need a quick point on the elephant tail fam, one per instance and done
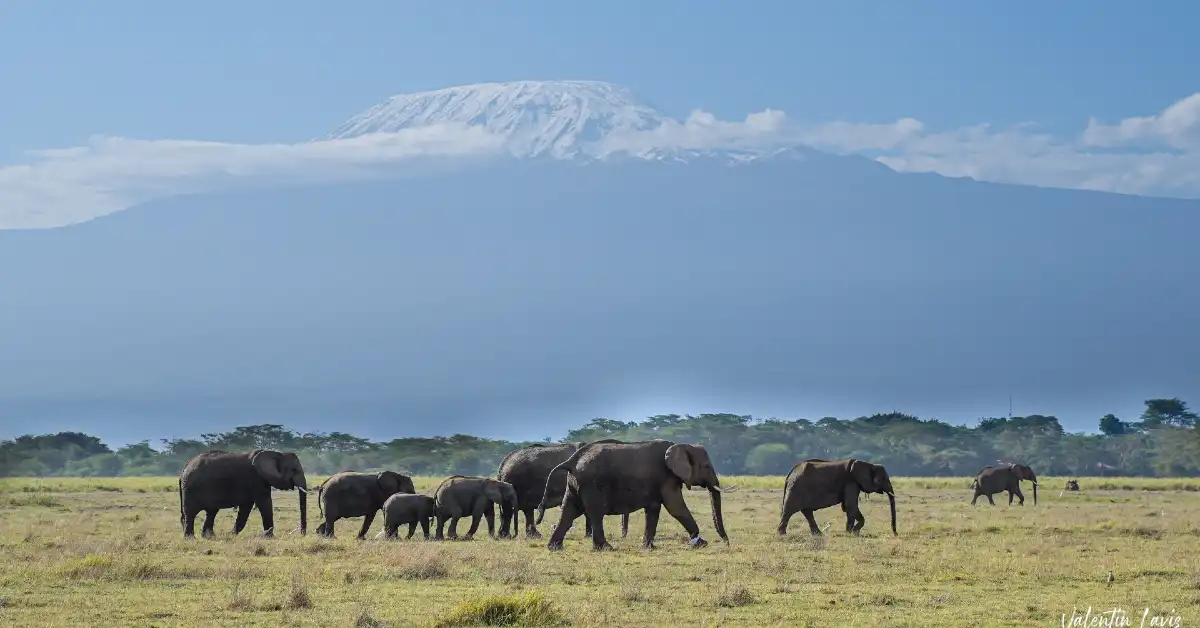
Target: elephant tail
(567, 465)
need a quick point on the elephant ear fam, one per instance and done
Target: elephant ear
(270, 467)
(389, 482)
(679, 461)
(863, 474)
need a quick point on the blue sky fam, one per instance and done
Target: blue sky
(153, 100)
(266, 72)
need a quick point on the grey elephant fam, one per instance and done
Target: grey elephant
(215, 480)
(993, 479)
(402, 508)
(620, 478)
(815, 484)
(527, 469)
(462, 496)
(352, 494)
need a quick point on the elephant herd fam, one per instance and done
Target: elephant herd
(605, 477)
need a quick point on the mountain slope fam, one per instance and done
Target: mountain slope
(503, 300)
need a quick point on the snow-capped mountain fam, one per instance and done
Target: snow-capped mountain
(558, 119)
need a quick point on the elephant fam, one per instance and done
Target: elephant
(993, 479)
(462, 495)
(619, 478)
(352, 494)
(815, 484)
(402, 508)
(527, 469)
(213, 480)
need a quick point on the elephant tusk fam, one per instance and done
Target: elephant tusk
(302, 489)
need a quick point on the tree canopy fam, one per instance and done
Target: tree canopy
(1165, 441)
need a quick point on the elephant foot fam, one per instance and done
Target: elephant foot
(697, 542)
(603, 547)
(649, 545)
(533, 534)
(208, 534)
(266, 534)
(554, 546)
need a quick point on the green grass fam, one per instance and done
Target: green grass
(109, 551)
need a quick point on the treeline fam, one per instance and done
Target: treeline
(1163, 442)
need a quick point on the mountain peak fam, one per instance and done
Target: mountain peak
(538, 118)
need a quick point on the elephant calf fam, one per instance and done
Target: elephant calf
(400, 509)
(815, 484)
(462, 496)
(994, 479)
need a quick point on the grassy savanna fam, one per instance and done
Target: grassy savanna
(109, 551)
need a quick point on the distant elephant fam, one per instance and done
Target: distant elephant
(402, 508)
(991, 480)
(527, 469)
(352, 494)
(214, 480)
(619, 478)
(815, 484)
(461, 496)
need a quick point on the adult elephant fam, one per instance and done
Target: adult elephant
(619, 478)
(815, 484)
(216, 479)
(460, 496)
(993, 479)
(528, 470)
(352, 494)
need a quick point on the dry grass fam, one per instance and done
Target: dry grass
(109, 552)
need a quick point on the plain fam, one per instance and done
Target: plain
(109, 551)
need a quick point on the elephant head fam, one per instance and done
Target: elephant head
(1023, 472)
(391, 483)
(282, 470)
(691, 464)
(504, 494)
(873, 478)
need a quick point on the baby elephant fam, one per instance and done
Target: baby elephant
(411, 509)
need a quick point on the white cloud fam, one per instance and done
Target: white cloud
(1157, 154)
(701, 131)
(66, 186)
(1160, 156)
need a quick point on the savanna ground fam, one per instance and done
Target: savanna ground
(109, 552)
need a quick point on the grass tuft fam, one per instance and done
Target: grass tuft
(528, 608)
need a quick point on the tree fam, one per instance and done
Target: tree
(1172, 411)
(770, 459)
(1111, 425)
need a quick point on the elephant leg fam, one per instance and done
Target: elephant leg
(990, 500)
(784, 517)
(652, 511)
(210, 519)
(624, 525)
(477, 514)
(812, 521)
(390, 531)
(1010, 497)
(975, 497)
(268, 515)
(675, 505)
(531, 530)
(587, 525)
(412, 529)
(490, 515)
(368, 519)
(189, 523)
(243, 515)
(424, 528)
(453, 527)
(572, 507)
(441, 522)
(595, 514)
(1020, 496)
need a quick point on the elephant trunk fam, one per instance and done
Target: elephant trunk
(303, 494)
(718, 518)
(892, 504)
(1035, 492)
